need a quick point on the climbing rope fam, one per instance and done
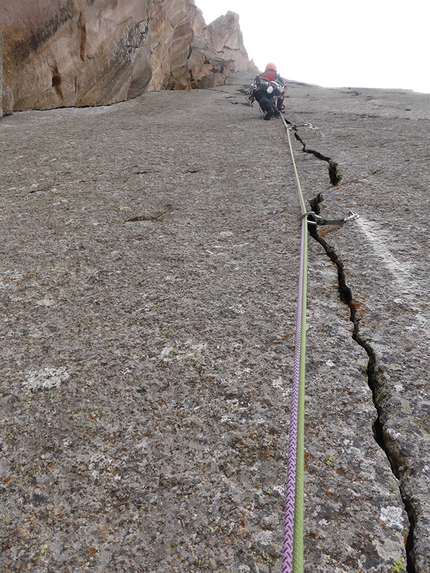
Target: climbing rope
(292, 555)
(293, 550)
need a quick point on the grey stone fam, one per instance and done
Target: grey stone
(67, 53)
(1, 75)
(149, 278)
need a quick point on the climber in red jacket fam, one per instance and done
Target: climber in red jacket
(268, 89)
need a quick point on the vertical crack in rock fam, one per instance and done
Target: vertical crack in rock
(375, 378)
(334, 175)
(82, 27)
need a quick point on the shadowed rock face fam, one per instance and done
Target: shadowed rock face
(67, 53)
(96, 52)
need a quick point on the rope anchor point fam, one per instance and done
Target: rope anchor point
(321, 221)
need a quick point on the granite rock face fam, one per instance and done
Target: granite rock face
(1, 75)
(206, 67)
(149, 291)
(72, 52)
(218, 50)
(96, 52)
(380, 140)
(227, 40)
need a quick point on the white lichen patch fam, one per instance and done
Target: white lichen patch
(195, 350)
(46, 302)
(280, 489)
(279, 383)
(100, 461)
(165, 353)
(46, 378)
(392, 516)
(393, 434)
(264, 537)
(389, 549)
(190, 352)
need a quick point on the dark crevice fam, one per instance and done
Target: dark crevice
(56, 83)
(83, 40)
(156, 216)
(334, 174)
(374, 377)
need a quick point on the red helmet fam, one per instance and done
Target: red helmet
(271, 66)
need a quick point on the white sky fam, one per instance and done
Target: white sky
(336, 43)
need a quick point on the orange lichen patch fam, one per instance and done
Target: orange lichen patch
(326, 231)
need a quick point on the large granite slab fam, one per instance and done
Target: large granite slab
(148, 286)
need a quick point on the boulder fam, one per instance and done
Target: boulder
(60, 53)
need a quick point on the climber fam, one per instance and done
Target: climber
(268, 89)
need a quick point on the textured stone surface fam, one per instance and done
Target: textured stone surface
(149, 288)
(380, 139)
(66, 53)
(218, 50)
(1, 75)
(97, 52)
(227, 40)
(171, 38)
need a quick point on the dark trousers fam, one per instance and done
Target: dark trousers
(266, 104)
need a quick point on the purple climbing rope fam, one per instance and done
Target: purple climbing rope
(292, 554)
(287, 557)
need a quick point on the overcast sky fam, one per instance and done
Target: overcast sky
(337, 43)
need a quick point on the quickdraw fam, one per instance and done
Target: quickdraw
(321, 221)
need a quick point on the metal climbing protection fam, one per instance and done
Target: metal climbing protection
(293, 548)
